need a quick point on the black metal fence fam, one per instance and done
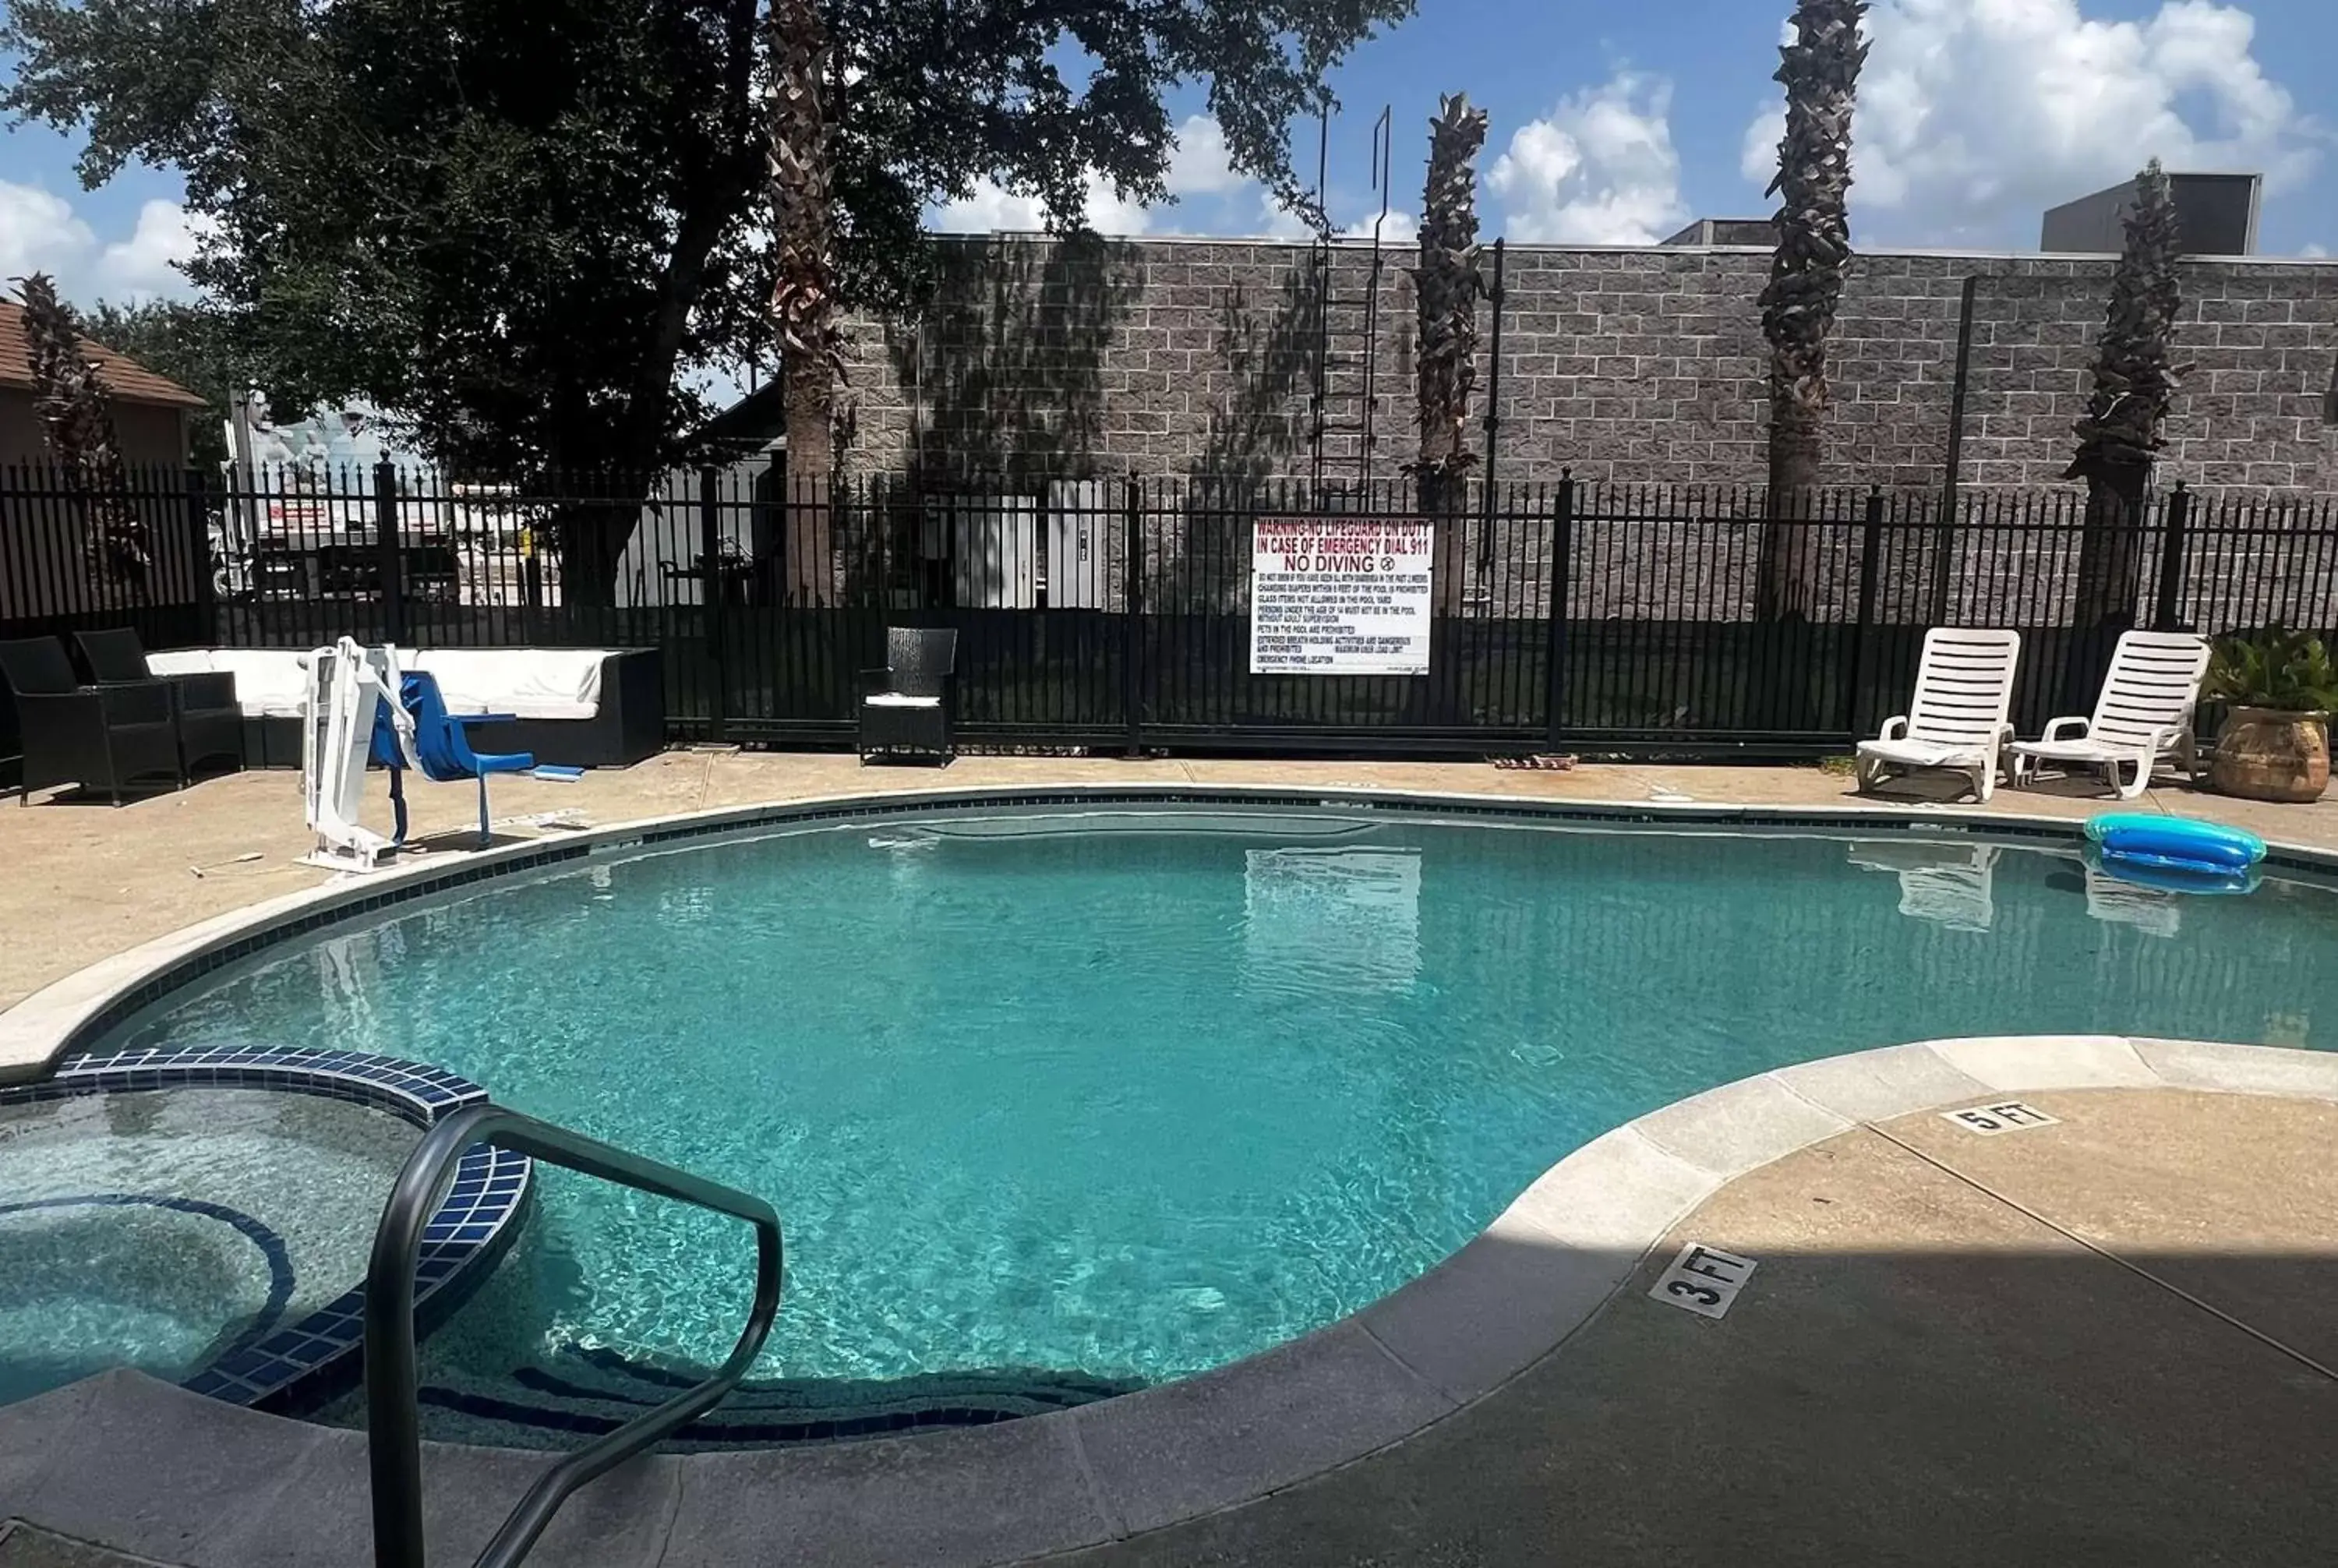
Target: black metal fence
(1116, 614)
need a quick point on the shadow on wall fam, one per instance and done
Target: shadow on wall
(1007, 360)
(1258, 422)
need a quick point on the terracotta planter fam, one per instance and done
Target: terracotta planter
(2266, 754)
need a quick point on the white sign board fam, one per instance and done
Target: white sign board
(1340, 596)
(1703, 1280)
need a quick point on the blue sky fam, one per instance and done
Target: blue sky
(1617, 122)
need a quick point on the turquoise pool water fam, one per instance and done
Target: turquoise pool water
(160, 1229)
(1134, 1103)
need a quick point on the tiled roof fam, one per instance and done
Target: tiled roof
(128, 380)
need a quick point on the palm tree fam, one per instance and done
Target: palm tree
(1445, 287)
(2119, 436)
(803, 297)
(1819, 70)
(76, 408)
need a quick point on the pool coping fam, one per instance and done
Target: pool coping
(1099, 1473)
(294, 1366)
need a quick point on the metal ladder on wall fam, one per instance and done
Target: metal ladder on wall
(393, 1411)
(1343, 406)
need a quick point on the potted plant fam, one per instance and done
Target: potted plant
(2275, 744)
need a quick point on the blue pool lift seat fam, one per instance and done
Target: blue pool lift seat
(438, 747)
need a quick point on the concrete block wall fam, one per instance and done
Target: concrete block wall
(1039, 360)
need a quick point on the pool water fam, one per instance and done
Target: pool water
(158, 1229)
(1130, 1102)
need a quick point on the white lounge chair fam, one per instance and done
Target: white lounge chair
(2144, 709)
(1964, 689)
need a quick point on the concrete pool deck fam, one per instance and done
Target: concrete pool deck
(2105, 1336)
(2107, 1340)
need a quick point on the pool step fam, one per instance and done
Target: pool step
(587, 1392)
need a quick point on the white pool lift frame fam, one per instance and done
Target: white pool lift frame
(348, 686)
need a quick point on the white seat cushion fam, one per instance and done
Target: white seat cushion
(1924, 753)
(269, 682)
(180, 662)
(2080, 750)
(526, 682)
(896, 700)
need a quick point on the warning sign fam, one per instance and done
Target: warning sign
(1340, 596)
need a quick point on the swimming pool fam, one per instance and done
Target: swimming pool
(1123, 1095)
(167, 1229)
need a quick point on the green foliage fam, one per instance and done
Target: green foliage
(516, 226)
(2289, 672)
(191, 345)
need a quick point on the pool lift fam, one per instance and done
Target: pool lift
(345, 684)
(363, 706)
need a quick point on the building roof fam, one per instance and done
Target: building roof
(1762, 232)
(2215, 215)
(125, 378)
(758, 422)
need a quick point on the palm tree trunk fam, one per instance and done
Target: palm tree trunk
(1785, 585)
(2120, 434)
(1820, 71)
(1447, 286)
(803, 297)
(807, 511)
(2110, 554)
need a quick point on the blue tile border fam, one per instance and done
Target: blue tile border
(301, 1365)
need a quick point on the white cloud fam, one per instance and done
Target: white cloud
(1199, 168)
(1111, 214)
(1976, 116)
(993, 208)
(40, 231)
(2313, 252)
(147, 263)
(1600, 170)
(1400, 228)
(1200, 165)
(1282, 222)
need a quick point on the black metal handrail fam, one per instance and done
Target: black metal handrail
(393, 1413)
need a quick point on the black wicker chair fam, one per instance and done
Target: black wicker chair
(203, 704)
(98, 736)
(905, 707)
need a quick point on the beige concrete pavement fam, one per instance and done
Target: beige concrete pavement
(1919, 1370)
(80, 880)
(2250, 1228)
